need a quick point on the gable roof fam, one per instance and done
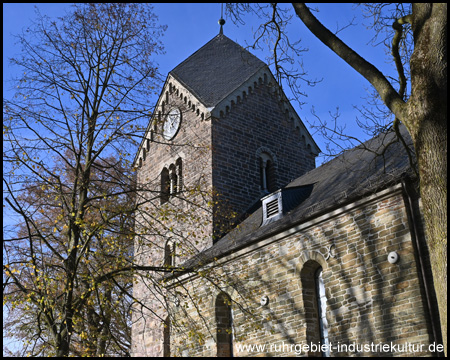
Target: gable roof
(216, 69)
(215, 75)
(356, 173)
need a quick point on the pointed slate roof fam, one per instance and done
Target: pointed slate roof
(216, 69)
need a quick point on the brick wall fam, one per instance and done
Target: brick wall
(220, 156)
(255, 123)
(369, 300)
(182, 220)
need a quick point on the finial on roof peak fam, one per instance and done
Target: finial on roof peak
(221, 23)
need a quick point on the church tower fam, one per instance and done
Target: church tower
(223, 136)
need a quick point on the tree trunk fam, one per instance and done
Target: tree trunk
(431, 144)
(424, 115)
(427, 124)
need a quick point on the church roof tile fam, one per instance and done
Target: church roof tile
(216, 70)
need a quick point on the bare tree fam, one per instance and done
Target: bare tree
(82, 217)
(81, 105)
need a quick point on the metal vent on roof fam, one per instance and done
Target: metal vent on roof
(282, 201)
(272, 207)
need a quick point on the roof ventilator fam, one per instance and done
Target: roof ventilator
(282, 201)
(272, 207)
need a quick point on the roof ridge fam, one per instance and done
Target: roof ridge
(216, 69)
(195, 52)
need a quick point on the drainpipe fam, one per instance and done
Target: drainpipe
(415, 238)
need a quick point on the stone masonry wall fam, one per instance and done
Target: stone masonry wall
(217, 153)
(183, 219)
(255, 123)
(370, 301)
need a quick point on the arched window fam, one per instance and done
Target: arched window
(314, 302)
(165, 186)
(166, 337)
(267, 173)
(179, 170)
(169, 253)
(224, 326)
(322, 307)
(173, 180)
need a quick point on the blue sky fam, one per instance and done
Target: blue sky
(190, 26)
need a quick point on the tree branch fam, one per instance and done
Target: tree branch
(397, 25)
(387, 93)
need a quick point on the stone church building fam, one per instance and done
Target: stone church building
(267, 255)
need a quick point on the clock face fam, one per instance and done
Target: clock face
(172, 123)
